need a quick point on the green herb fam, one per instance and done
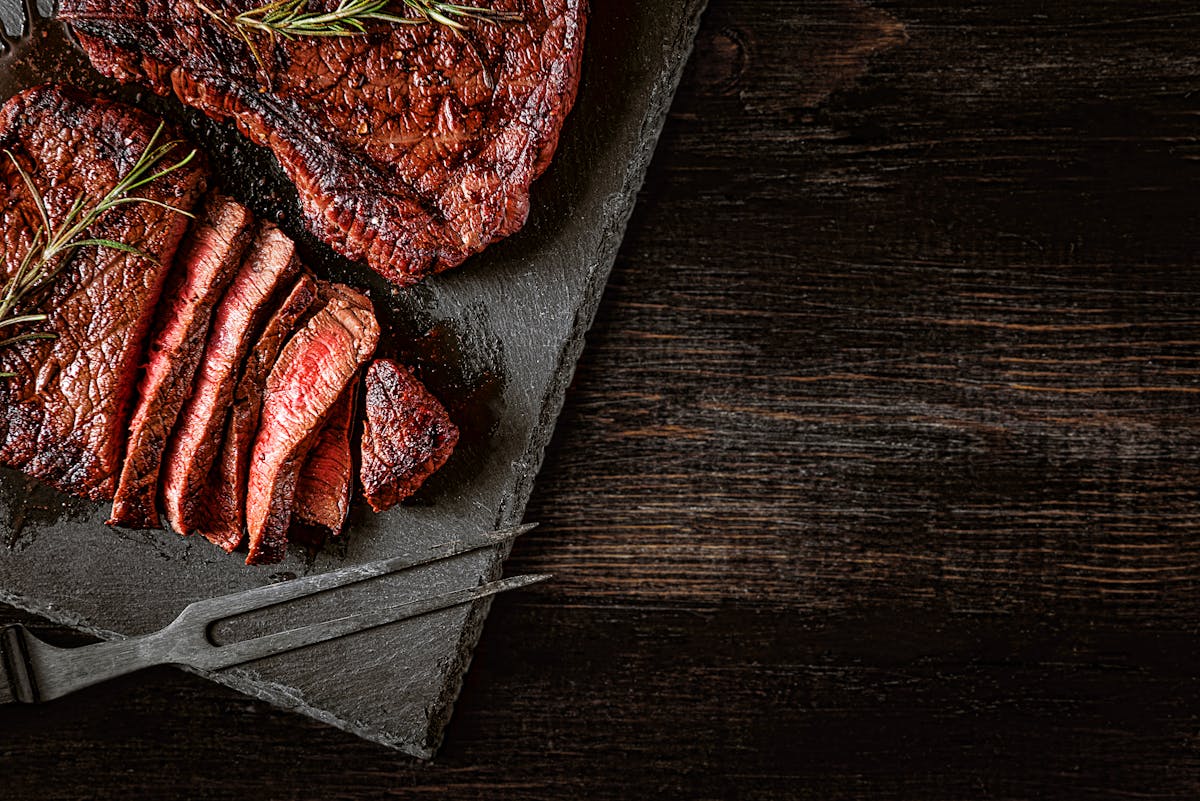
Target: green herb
(291, 19)
(52, 244)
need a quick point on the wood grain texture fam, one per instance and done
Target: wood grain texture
(878, 477)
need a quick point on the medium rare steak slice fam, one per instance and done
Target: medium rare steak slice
(406, 438)
(63, 417)
(313, 371)
(323, 489)
(227, 515)
(207, 262)
(269, 264)
(412, 146)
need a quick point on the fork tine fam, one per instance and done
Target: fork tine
(211, 610)
(271, 644)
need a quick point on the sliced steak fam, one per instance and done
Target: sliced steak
(207, 262)
(406, 438)
(313, 371)
(323, 489)
(412, 147)
(227, 520)
(64, 415)
(269, 264)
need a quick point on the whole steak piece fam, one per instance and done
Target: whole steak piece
(407, 435)
(315, 368)
(64, 416)
(412, 146)
(207, 262)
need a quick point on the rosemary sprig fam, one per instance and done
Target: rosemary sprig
(51, 244)
(290, 19)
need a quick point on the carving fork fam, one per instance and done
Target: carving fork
(33, 671)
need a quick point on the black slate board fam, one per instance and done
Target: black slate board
(497, 339)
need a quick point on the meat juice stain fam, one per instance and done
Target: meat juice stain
(28, 506)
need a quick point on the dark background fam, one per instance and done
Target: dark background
(878, 477)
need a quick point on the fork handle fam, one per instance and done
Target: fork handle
(32, 670)
(16, 672)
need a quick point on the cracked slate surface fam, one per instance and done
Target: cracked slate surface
(498, 339)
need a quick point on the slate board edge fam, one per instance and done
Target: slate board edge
(658, 107)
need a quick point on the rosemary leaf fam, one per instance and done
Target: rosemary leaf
(24, 318)
(115, 245)
(25, 338)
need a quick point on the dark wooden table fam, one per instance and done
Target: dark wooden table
(878, 478)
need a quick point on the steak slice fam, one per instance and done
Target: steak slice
(323, 489)
(313, 371)
(407, 435)
(269, 264)
(207, 262)
(412, 147)
(227, 519)
(64, 415)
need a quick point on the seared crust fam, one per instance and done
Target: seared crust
(412, 147)
(407, 435)
(64, 417)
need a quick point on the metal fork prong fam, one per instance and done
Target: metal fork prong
(270, 644)
(211, 610)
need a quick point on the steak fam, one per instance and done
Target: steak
(227, 518)
(64, 414)
(207, 262)
(406, 438)
(269, 264)
(412, 146)
(323, 489)
(314, 369)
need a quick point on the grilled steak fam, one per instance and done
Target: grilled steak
(269, 264)
(64, 415)
(207, 262)
(227, 515)
(313, 371)
(406, 438)
(323, 489)
(412, 147)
